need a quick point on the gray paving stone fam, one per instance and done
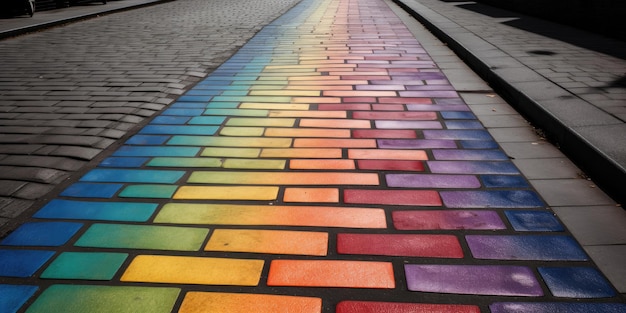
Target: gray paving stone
(82, 153)
(585, 221)
(12, 208)
(32, 174)
(571, 192)
(611, 259)
(59, 163)
(9, 187)
(33, 191)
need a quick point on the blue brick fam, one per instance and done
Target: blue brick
(170, 120)
(144, 140)
(48, 234)
(14, 296)
(89, 190)
(156, 151)
(22, 263)
(123, 162)
(504, 181)
(132, 176)
(179, 130)
(525, 247)
(533, 221)
(106, 211)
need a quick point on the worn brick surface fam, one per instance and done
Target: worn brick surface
(107, 75)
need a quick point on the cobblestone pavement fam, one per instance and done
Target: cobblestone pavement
(68, 93)
(328, 166)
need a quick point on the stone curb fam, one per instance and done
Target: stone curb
(536, 98)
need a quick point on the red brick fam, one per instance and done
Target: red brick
(399, 307)
(391, 165)
(428, 246)
(393, 197)
(384, 133)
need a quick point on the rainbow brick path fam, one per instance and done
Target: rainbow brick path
(328, 166)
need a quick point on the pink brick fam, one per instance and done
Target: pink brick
(393, 197)
(428, 246)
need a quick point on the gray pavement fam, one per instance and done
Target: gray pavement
(569, 83)
(65, 97)
(68, 93)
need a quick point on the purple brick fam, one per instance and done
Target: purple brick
(473, 167)
(474, 155)
(429, 87)
(437, 107)
(430, 94)
(458, 134)
(525, 247)
(551, 307)
(491, 199)
(498, 280)
(432, 181)
(449, 219)
(408, 124)
(464, 125)
(415, 144)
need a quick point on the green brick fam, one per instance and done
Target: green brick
(185, 162)
(104, 299)
(255, 164)
(85, 265)
(143, 237)
(148, 191)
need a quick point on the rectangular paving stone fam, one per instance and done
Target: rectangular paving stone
(398, 124)
(457, 134)
(171, 120)
(185, 162)
(385, 154)
(91, 190)
(391, 165)
(333, 143)
(402, 307)
(262, 122)
(249, 142)
(449, 219)
(148, 191)
(384, 133)
(504, 181)
(207, 120)
(86, 210)
(334, 123)
(46, 234)
(395, 116)
(274, 106)
(312, 114)
(523, 220)
(130, 151)
(331, 273)
(132, 176)
(242, 131)
(491, 199)
(22, 263)
(432, 181)
(463, 125)
(178, 130)
(206, 214)
(473, 167)
(102, 299)
(550, 307)
(416, 144)
(322, 164)
(497, 280)
(268, 241)
(143, 237)
(311, 195)
(231, 152)
(307, 132)
(127, 162)
(255, 164)
(424, 246)
(85, 265)
(526, 247)
(147, 140)
(227, 193)
(283, 178)
(478, 155)
(237, 112)
(576, 282)
(244, 303)
(14, 296)
(288, 153)
(392, 197)
(193, 270)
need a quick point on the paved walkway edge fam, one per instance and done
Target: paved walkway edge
(534, 100)
(70, 19)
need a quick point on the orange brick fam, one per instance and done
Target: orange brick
(311, 195)
(331, 273)
(334, 143)
(358, 93)
(324, 164)
(301, 153)
(197, 302)
(268, 241)
(315, 114)
(307, 132)
(315, 100)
